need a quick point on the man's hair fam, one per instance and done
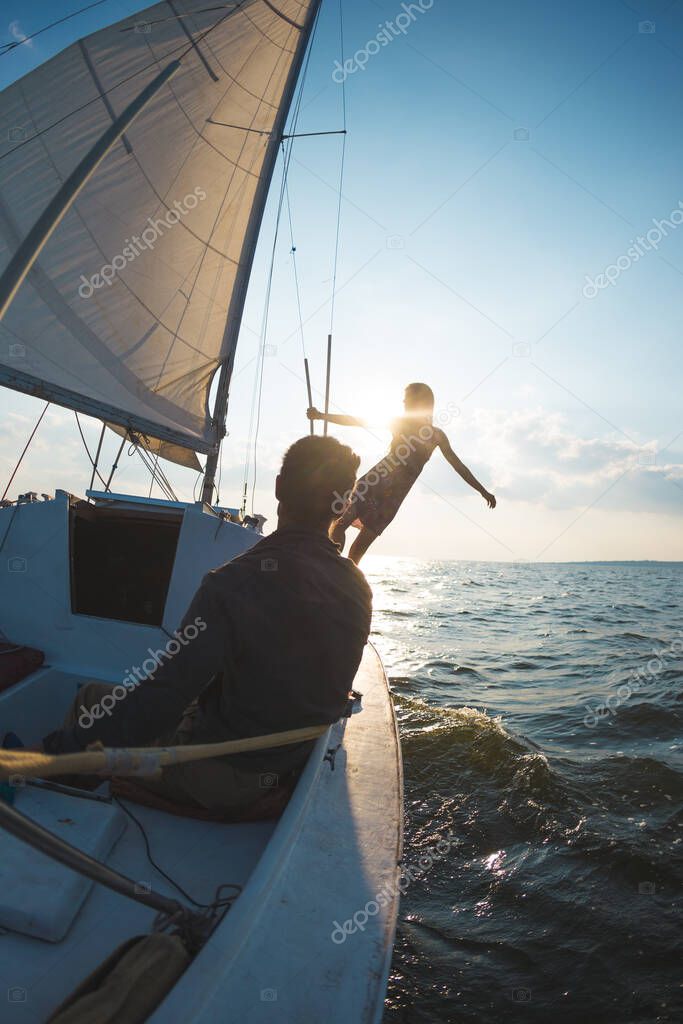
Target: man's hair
(420, 396)
(316, 471)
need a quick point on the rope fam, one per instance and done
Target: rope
(141, 760)
(26, 448)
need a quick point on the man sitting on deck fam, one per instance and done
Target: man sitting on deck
(277, 636)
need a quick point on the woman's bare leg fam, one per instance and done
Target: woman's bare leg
(338, 534)
(361, 544)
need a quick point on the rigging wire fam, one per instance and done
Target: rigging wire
(6, 47)
(105, 92)
(260, 365)
(151, 483)
(87, 450)
(161, 476)
(97, 455)
(258, 382)
(307, 374)
(115, 463)
(341, 171)
(199, 476)
(296, 273)
(147, 459)
(258, 390)
(26, 448)
(220, 476)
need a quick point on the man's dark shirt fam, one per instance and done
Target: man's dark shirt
(281, 634)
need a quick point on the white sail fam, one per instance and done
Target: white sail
(124, 313)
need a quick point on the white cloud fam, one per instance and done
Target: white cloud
(534, 456)
(18, 33)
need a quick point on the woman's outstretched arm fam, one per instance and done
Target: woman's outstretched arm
(462, 470)
(330, 417)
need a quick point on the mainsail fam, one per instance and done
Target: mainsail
(134, 301)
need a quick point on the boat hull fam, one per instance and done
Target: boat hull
(312, 931)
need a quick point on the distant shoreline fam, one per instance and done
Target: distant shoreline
(519, 561)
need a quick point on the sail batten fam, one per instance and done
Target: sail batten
(123, 313)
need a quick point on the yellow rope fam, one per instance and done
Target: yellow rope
(99, 760)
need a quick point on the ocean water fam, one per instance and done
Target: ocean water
(541, 714)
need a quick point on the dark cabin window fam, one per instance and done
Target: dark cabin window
(121, 562)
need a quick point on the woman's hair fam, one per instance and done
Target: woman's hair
(316, 472)
(419, 397)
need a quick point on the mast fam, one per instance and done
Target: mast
(239, 294)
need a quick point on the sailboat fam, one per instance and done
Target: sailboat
(135, 167)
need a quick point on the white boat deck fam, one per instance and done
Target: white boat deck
(199, 855)
(332, 851)
(279, 953)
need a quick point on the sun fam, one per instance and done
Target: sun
(381, 406)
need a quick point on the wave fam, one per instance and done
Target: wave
(453, 668)
(474, 740)
(649, 717)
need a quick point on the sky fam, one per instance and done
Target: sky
(509, 234)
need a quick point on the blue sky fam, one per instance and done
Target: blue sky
(498, 155)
